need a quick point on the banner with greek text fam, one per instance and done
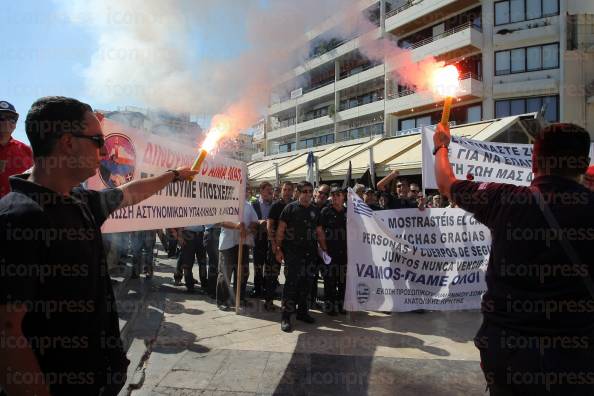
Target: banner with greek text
(406, 259)
(482, 161)
(216, 194)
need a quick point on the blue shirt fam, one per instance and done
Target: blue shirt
(230, 237)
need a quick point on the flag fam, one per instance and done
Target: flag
(366, 179)
(311, 177)
(347, 179)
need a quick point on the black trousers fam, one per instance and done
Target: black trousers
(193, 248)
(526, 364)
(271, 273)
(334, 283)
(313, 291)
(211, 242)
(260, 259)
(300, 270)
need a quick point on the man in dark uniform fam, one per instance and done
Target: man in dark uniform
(333, 221)
(191, 240)
(297, 240)
(56, 298)
(399, 199)
(538, 311)
(321, 195)
(272, 269)
(262, 207)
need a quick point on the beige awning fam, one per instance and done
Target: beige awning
(383, 150)
(402, 153)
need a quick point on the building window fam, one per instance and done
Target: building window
(287, 148)
(520, 60)
(502, 13)
(474, 113)
(510, 11)
(517, 10)
(361, 132)
(511, 107)
(502, 63)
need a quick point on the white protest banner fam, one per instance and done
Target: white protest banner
(406, 259)
(216, 194)
(481, 161)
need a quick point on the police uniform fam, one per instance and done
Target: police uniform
(271, 266)
(334, 224)
(300, 252)
(538, 314)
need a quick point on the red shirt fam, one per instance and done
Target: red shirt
(15, 157)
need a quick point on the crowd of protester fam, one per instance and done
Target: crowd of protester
(283, 227)
(294, 226)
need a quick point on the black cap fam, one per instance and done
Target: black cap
(369, 190)
(7, 107)
(335, 190)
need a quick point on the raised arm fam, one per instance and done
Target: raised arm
(139, 190)
(383, 184)
(443, 169)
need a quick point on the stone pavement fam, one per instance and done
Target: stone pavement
(182, 344)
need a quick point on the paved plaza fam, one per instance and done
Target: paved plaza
(182, 344)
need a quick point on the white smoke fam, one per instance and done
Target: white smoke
(149, 51)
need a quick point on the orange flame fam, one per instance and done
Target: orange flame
(446, 81)
(221, 126)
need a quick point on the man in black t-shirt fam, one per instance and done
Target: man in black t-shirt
(537, 335)
(398, 199)
(333, 222)
(58, 316)
(297, 238)
(272, 266)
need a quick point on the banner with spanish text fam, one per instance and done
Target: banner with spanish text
(216, 194)
(407, 259)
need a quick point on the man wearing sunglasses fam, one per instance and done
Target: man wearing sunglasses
(15, 157)
(55, 291)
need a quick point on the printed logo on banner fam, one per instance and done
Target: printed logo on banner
(362, 293)
(117, 167)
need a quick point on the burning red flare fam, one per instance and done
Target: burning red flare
(446, 81)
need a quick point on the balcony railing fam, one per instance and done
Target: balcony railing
(401, 94)
(472, 75)
(463, 76)
(403, 7)
(429, 40)
(346, 103)
(318, 86)
(415, 131)
(357, 70)
(311, 116)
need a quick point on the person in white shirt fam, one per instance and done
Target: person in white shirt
(228, 256)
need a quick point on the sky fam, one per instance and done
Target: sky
(46, 50)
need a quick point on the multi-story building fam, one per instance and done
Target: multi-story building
(177, 126)
(514, 56)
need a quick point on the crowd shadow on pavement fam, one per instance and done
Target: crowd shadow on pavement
(340, 356)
